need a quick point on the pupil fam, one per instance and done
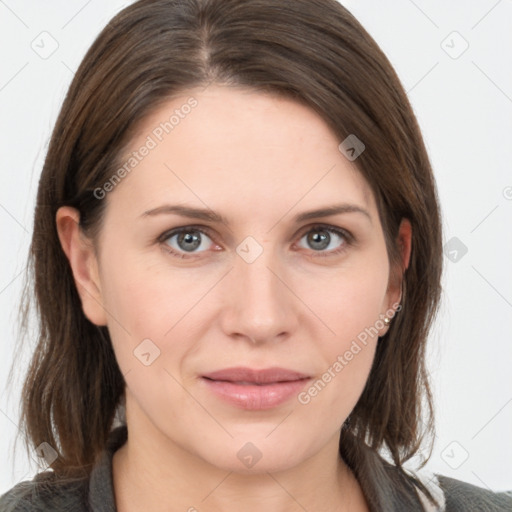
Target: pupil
(187, 238)
(319, 241)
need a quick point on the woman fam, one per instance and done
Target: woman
(237, 258)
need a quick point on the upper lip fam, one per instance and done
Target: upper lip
(263, 376)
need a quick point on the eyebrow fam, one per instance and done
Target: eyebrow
(209, 215)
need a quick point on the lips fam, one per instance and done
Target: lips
(243, 375)
(253, 389)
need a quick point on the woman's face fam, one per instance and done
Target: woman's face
(271, 285)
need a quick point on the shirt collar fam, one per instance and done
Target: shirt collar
(379, 480)
(101, 485)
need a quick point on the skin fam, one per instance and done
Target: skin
(259, 161)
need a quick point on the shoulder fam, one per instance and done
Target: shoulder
(404, 488)
(92, 491)
(43, 493)
(462, 496)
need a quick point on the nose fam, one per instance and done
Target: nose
(258, 304)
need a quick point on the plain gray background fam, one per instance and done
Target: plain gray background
(455, 60)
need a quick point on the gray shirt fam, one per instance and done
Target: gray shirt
(96, 493)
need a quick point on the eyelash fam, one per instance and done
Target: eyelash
(345, 235)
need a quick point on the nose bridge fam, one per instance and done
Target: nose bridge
(259, 281)
(261, 305)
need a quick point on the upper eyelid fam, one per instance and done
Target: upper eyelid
(327, 227)
(175, 231)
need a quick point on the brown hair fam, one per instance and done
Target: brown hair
(313, 51)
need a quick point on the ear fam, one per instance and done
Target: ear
(84, 265)
(394, 291)
(403, 241)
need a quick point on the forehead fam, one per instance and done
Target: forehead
(240, 151)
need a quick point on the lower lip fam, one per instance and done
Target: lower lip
(254, 397)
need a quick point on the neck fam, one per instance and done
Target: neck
(151, 472)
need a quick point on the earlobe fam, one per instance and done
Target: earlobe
(83, 262)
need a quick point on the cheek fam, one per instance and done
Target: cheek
(349, 305)
(336, 388)
(146, 301)
(134, 305)
(350, 302)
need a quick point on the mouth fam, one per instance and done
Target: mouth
(254, 389)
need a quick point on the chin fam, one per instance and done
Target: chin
(257, 453)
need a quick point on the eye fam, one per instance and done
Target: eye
(326, 240)
(185, 242)
(190, 241)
